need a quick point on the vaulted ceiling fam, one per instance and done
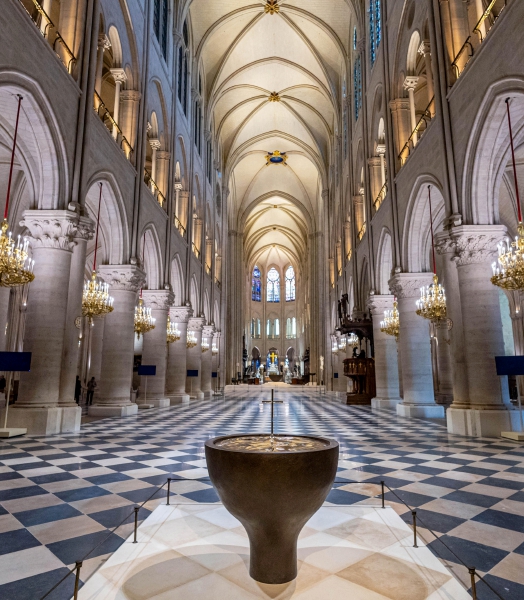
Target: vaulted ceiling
(274, 80)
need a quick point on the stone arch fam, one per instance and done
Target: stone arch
(40, 152)
(412, 54)
(384, 262)
(116, 46)
(151, 257)
(177, 280)
(207, 307)
(488, 150)
(194, 296)
(216, 315)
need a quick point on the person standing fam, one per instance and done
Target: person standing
(78, 389)
(91, 386)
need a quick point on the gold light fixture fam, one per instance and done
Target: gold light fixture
(96, 300)
(144, 322)
(432, 303)
(391, 323)
(205, 346)
(276, 158)
(16, 268)
(191, 340)
(173, 334)
(274, 97)
(214, 350)
(508, 274)
(272, 7)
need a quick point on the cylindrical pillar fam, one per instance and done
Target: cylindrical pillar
(410, 83)
(177, 357)
(103, 45)
(386, 358)
(155, 346)
(487, 412)
(155, 147)
(425, 50)
(52, 233)
(119, 75)
(207, 334)
(114, 387)
(194, 359)
(415, 348)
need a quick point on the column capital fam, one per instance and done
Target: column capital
(180, 314)
(51, 228)
(407, 285)
(217, 335)
(154, 143)
(208, 330)
(443, 243)
(424, 48)
(85, 229)
(476, 243)
(381, 149)
(158, 299)
(378, 303)
(103, 41)
(128, 278)
(119, 75)
(410, 82)
(196, 323)
(178, 186)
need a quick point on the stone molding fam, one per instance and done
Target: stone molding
(128, 278)
(158, 299)
(85, 229)
(399, 104)
(217, 335)
(196, 324)
(476, 243)
(51, 228)
(407, 285)
(130, 95)
(180, 314)
(443, 243)
(208, 330)
(163, 155)
(378, 303)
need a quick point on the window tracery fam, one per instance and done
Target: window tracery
(273, 286)
(290, 284)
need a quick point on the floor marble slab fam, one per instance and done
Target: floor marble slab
(200, 552)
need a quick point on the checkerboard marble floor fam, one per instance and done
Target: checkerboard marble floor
(60, 496)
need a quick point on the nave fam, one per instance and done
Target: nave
(61, 495)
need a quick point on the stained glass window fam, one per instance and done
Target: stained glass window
(273, 286)
(357, 86)
(375, 32)
(290, 284)
(354, 38)
(277, 328)
(256, 286)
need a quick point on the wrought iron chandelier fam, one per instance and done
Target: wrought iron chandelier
(144, 322)
(16, 268)
(205, 346)
(391, 323)
(173, 334)
(508, 270)
(432, 303)
(191, 340)
(96, 300)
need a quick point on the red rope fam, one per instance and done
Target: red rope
(97, 225)
(519, 211)
(12, 158)
(432, 237)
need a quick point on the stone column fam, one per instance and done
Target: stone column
(129, 100)
(386, 357)
(103, 44)
(487, 412)
(5, 294)
(425, 51)
(177, 357)
(215, 363)
(120, 77)
(374, 164)
(401, 120)
(71, 413)
(410, 83)
(194, 359)
(162, 170)
(155, 147)
(415, 349)
(207, 359)
(444, 370)
(94, 367)
(155, 346)
(114, 387)
(52, 238)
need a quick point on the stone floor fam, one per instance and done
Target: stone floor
(60, 496)
(199, 552)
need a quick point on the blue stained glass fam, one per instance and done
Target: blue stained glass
(378, 21)
(372, 47)
(273, 286)
(357, 86)
(256, 286)
(290, 284)
(354, 38)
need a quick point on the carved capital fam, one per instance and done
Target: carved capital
(155, 144)
(217, 335)
(410, 83)
(424, 48)
(158, 299)
(51, 228)
(443, 243)
(407, 285)
(196, 324)
(178, 186)
(381, 150)
(103, 41)
(127, 278)
(85, 229)
(180, 314)
(119, 75)
(476, 243)
(208, 330)
(377, 304)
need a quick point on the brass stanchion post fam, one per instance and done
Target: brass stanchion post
(137, 508)
(78, 566)
(473, 583)
(414, 515)
(382, 485)
(168, 489)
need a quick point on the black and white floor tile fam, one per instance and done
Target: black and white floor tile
(61, 496)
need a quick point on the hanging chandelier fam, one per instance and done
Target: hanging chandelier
(353, 340)
(173, 334)
(432, 303)
(214, 350)
(342, 344)
(96, 300)
(191, 340)
(391, 323)
(508, 270)
(205, 346)
(16, 268)
(144, 322)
